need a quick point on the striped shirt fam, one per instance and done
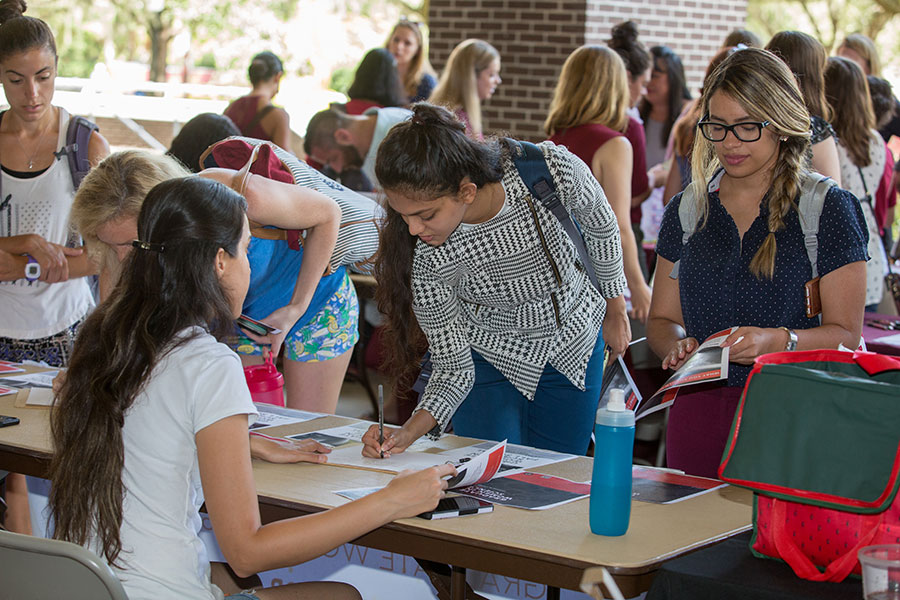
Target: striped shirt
(512, 288)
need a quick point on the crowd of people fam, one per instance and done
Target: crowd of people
(133, 277)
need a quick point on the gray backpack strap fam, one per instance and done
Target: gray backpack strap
(813, 189)
(689, 215)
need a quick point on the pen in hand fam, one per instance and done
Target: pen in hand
(381, 418)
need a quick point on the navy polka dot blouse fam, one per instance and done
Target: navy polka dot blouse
(716, 287)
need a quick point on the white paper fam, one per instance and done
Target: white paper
(351, 456)
(893, 340)
(357, 493)
(515, 460)
(355, 432)
(42, 379)
(273, 416)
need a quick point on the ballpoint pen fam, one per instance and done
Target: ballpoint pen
(381, 418)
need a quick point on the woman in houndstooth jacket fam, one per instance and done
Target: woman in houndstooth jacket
(470, 262)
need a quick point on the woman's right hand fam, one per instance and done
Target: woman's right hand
(51, 257)
(679, 353)
(396, 440)
(413, 492)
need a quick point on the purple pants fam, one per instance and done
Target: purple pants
(699, 424)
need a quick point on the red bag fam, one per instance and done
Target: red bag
(817, 438)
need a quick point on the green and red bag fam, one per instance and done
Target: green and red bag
(816, 436)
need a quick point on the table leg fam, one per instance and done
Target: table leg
(449, 582)
(458, 585)
(552, 593)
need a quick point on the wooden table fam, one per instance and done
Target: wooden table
(552, 547)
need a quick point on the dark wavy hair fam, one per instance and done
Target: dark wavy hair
(377, 80)
(264, 65)
(424, 158)
(159, 294)
(847, 91)
(19, 33)
(197, 135)
(664, 59)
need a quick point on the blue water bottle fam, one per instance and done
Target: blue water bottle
(611, 480)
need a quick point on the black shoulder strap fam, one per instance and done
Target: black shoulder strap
(78, 136)
(256, 119)
(532, 168)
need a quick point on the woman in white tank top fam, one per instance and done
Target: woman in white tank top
(43, 287)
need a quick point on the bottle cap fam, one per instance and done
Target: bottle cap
(616, 400)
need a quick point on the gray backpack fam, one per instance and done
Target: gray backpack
(813, 189)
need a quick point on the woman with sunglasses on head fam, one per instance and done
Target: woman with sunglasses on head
(746, 264)
(408, 45)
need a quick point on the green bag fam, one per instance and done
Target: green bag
(817, 437)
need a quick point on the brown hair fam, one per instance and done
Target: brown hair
(19, 33)
(847, 89)
(764, 87)
(805, 56)
(592, 88)
(865, 47)
(624, 40)
(685, 129)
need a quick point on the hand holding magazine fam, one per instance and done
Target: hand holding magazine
(708, 363)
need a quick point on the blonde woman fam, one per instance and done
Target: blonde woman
(107, 204)
(408, 45)
(746, 265)
(471, 76)
(588, 116)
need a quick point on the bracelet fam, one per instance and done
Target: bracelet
(791, 344)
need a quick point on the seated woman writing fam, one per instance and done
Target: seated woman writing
(169, 412)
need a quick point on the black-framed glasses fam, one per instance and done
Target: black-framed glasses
(746, 131)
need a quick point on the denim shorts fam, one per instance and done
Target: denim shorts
(245, 595)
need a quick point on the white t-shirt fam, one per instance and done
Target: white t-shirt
(387, 118)
(195, 385)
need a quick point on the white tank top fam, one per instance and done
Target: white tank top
(41, 205)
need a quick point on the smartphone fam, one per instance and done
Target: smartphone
(457, 506)
(256, 327)
(7, 421)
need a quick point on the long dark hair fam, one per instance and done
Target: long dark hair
(161, 292)
(19, 33)
(664, 57)
(805, 56)
(425, 158)
(377, 80)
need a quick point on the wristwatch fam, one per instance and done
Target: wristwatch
(32, 268)
(792, 340)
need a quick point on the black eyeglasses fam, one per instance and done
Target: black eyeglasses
(746, 131)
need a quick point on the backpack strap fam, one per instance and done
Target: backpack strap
(532, 167)
(813, 189)
(78, 136)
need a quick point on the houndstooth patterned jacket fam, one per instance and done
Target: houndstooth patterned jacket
(512, 288)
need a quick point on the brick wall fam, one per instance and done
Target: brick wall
(535, 37)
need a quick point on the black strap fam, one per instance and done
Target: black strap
(868, 198)
(78, 137)
(256, 119)
(532, 168)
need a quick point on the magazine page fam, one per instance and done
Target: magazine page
(709, 362)
(662, 486)
(617, 377)
(531, 491)
(516, 459)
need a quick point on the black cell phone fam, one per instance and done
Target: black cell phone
(7, 421)
(256, 327)
(457, 506)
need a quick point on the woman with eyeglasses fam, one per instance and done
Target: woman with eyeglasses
(746, 264)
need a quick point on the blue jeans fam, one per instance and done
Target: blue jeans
(560, 418)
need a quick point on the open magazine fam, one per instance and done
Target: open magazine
(708, 363)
